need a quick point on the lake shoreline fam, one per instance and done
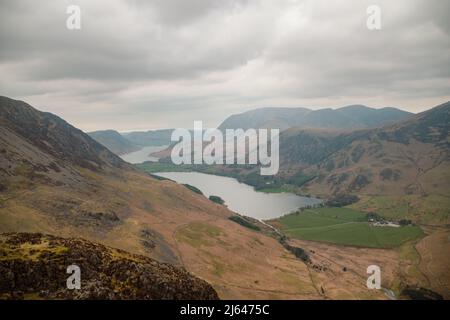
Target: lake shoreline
(142, 155)
(152, 167)
(257, 204)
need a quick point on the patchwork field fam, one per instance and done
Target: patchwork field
(346, 227)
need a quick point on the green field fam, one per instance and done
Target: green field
(346, 227)
(429, 209)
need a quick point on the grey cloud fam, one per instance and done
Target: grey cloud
(142, 64)
(182, 12)
(108, 47)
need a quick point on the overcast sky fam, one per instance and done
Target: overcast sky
(138, 64)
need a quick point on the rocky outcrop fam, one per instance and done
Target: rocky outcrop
(34, 266)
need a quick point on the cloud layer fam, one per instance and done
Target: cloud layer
(139, 64)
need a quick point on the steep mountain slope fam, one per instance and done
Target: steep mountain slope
(114, 141)
(53, 136)
(33, 266)
(346, 118)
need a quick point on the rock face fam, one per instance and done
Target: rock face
(34, 266)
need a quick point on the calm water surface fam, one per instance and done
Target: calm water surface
(142, 155)
(240, 197)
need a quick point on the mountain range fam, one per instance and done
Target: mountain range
(345, 118)
(410, 157)
(122, 143)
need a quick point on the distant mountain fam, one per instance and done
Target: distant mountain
(38, 269)
(122, 143)
(114, 141)
(346, 118)
(411, 157)
(149, 138)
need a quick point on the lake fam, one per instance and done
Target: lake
(240, 197)
(142, 155)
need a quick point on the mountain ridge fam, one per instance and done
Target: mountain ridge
(55, 136)
(345, 118)
(114, 141)
(148, 138)
(127, 142)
